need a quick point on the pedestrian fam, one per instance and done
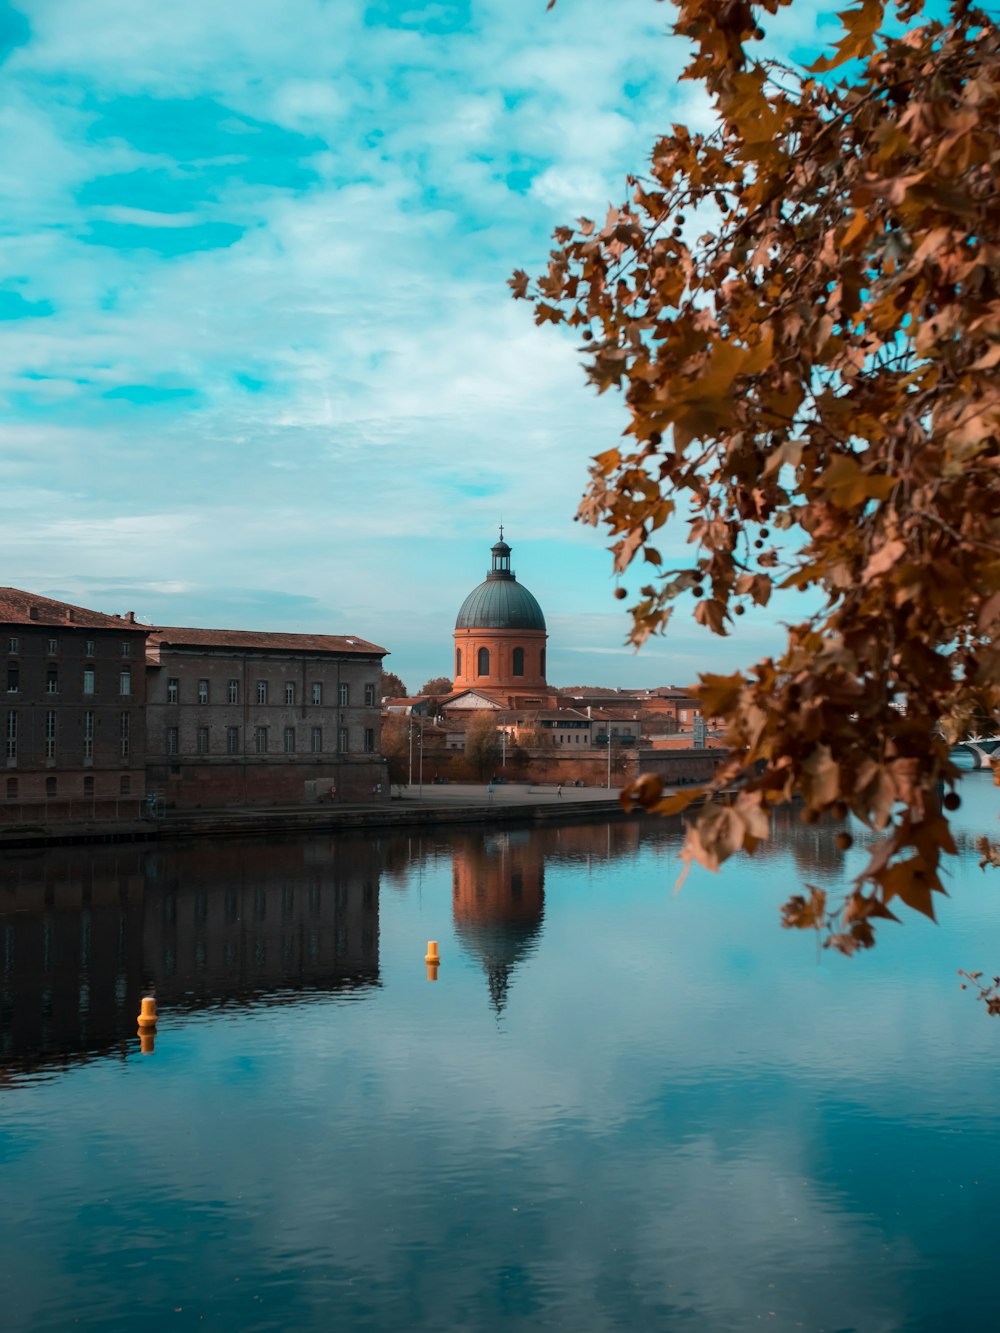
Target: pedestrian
(559, 791)
(489, 792)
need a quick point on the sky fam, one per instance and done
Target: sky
(259, 364)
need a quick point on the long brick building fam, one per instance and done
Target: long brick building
(101, 711)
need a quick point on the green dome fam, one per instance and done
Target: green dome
(500, 604)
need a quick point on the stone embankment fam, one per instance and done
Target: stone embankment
(449, 804)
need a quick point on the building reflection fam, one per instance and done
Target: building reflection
(84, 932)
(498, 901)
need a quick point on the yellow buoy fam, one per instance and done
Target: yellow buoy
(432, 953)
(432, 971)
(147, 1040)
(147, 1012)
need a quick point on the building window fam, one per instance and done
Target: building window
(289, 691)
(316, 740)
(518, 661)
(173, 690)
(51, 787)
(541, 663)
(203, 740)
(232, 740)
(53, 647)
(12, 789)
(11, 734)
(369, 696)
(262, 691)
(126, 649)
(369, 740)
(125, 681)
(125, 785)
(317, 692)
(458, 662)
(234, 691)
(343, 740)
(173, 738)
(344, 694)
(12, 647)
(88, 680)
(52, 680)
(88, 650)
(88, 785)
(124, 731)
(260, 739)
(88, 735)
(483, 662)
(50, 735)
(289, 740)
(12, 678)
(203, 691)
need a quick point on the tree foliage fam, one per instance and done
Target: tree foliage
(392, 686)
(482, 745)
(437, 685)
(396, 747)
(803, 311)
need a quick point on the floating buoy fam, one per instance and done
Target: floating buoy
(432, 971)
(147, 1040)
(432, 953)
(147, 1012)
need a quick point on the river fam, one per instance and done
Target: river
(616, 1106)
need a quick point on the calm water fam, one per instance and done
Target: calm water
(616, 1108)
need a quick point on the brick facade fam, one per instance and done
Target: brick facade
(73, 717)
(243, 718)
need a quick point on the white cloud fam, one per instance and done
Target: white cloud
(359, 372)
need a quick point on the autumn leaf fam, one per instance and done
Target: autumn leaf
(810, 394)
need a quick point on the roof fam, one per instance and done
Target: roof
(500, 604)
(28, 608)
(176, 637)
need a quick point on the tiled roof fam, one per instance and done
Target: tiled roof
(28, 608)
(248, 638)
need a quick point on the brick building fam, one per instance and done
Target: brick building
(74, 710)
(242, 717)
(500, 639)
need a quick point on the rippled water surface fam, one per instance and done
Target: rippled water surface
(615, 1108)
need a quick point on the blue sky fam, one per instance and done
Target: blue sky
(260, 367)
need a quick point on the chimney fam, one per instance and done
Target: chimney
(70, 617)
(130, 617)
(32, 612)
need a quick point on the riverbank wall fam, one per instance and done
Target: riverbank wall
(542, 807)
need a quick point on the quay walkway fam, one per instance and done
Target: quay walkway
(450, 803)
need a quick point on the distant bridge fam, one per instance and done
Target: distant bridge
(981, 749)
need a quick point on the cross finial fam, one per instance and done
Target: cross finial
(501, 532)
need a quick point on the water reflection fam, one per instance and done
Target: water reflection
(85, 932)
(687, 1117)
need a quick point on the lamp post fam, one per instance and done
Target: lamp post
(409, 776)
(609, 756)
(420, 740)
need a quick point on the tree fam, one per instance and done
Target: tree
(803, 311)
(482, 745)
(437, 685)
(392, 686)
(396, 747)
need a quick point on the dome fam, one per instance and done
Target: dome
(500, 604)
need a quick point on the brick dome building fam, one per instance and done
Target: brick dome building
(500, 636)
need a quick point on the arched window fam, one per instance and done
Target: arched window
(518, 661)
(483, 662)
(458, 662)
